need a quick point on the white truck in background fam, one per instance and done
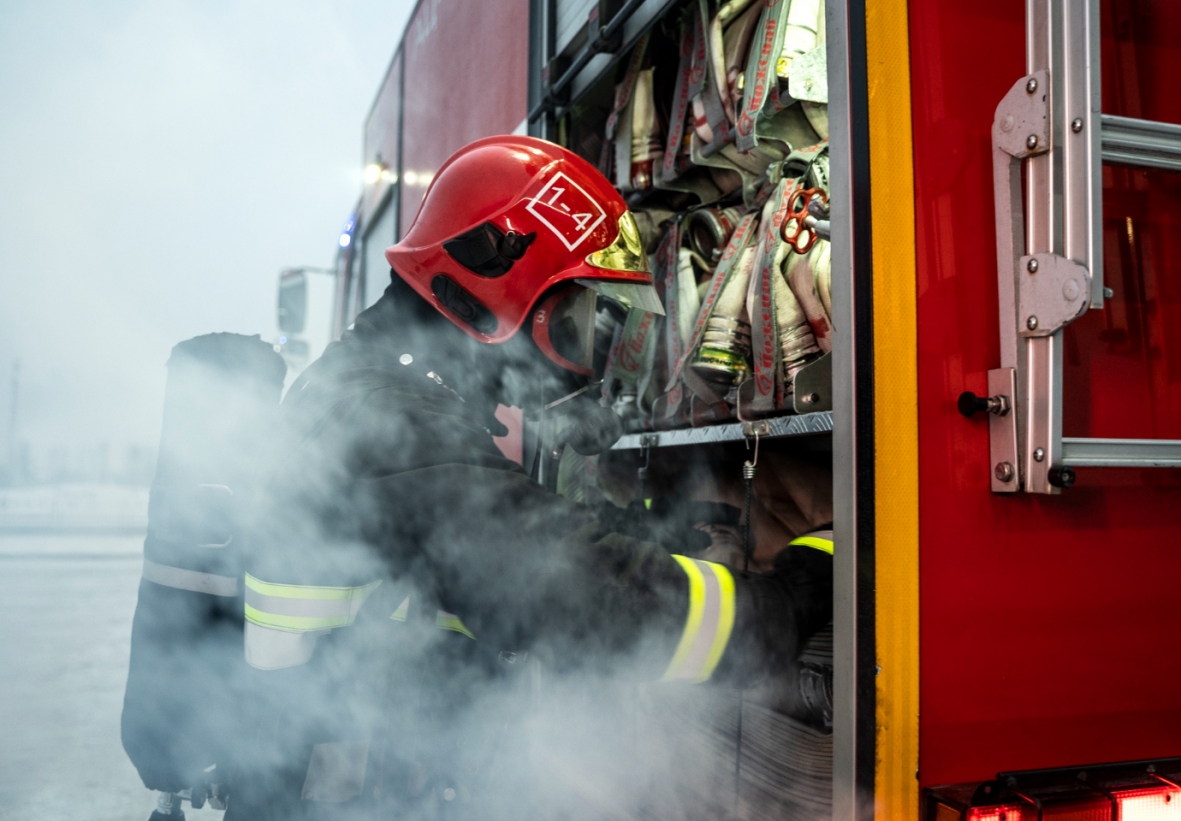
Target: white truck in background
(306, 315)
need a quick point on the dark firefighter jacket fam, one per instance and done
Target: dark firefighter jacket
(400, 546)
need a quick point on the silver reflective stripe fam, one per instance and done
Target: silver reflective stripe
(336, 771)
(345, 609)
(192, 580)
(271, 649)
(708, 623)
(694, 661)
(300, 608)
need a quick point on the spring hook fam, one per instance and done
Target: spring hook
(749, 468)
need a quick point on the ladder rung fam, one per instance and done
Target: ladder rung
(1122, 453)
(1144, 143)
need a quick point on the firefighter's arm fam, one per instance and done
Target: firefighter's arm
(740, 628)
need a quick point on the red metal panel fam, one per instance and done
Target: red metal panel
(466, 69)
(381, 137)
(1048, 624)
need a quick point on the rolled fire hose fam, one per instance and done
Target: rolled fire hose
(797, 343)
(803, 275)
(646, 143)
(724, 355)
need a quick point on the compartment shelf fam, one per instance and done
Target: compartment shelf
(779, 427)
(596, 58)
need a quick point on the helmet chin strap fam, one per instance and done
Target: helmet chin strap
(570, 396)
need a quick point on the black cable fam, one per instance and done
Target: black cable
(748, 478)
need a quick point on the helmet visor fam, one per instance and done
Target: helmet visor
(627, 294)
(564, 329)
(626, 253)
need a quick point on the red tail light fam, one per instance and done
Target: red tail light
(1161, 803)
(1086, 808)
(1110, 792)
(1001, 812)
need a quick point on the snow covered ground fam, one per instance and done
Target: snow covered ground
(66, 615)
(73, 507)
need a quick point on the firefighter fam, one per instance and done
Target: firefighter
(402, 561)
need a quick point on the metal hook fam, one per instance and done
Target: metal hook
(751, 464)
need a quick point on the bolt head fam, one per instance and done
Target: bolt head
(1039, 454)
(1004, 471)
(1076, 125)
(1031, 85)
(1031, 266)
(1031, 142)
(1031, 323)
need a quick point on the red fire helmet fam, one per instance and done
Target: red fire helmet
(508, 219)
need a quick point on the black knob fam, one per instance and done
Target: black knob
(970, 403)
(1062, 477)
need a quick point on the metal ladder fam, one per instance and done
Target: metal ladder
(1049, 246)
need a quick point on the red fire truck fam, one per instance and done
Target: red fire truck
(998, 400)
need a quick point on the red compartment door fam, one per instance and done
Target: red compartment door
(1048, 625)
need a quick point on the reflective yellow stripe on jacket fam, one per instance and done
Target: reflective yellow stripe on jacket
(818, 539)
(284, 620)
(708, 624)
(298, 607)
(443, 619)
(452, 622)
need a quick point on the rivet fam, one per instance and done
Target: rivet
(1039, 454)
(1108, 293)
(1031, 85)
(1076, 125)
(1031, 142)
(1031, 266)
(449, 794)
(1031, 323)
(405, 359)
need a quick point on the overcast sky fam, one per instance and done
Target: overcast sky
(160, 162)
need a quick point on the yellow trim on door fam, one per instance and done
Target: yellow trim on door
(896, 790)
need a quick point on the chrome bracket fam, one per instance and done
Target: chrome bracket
(1052, 292)
(1021, 129)
(757, 428)
(1002, 433)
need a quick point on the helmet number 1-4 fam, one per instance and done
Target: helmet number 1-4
(566, 210)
